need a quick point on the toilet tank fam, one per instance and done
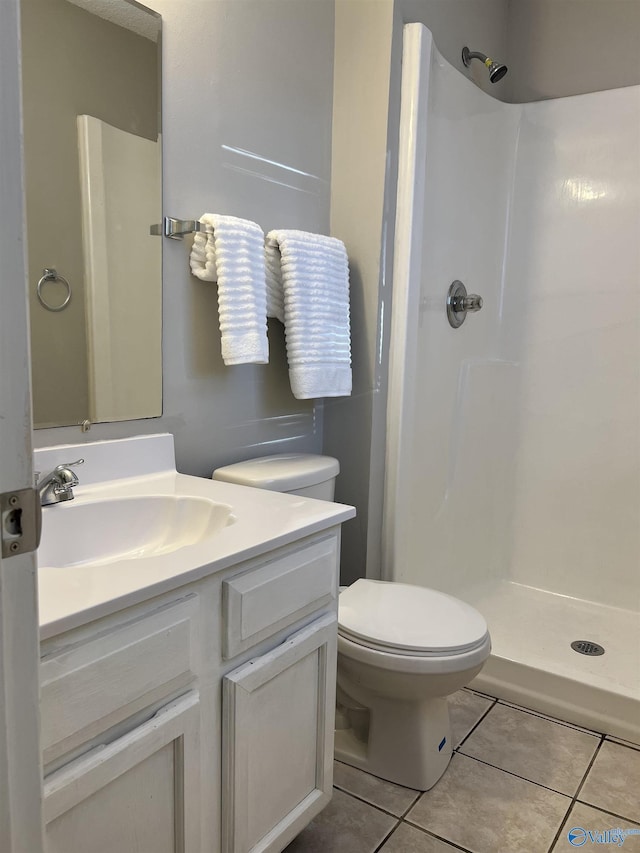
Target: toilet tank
(296, 473)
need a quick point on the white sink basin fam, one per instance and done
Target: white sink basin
(137, 528)
(86, 532)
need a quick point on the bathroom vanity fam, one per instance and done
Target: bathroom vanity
(188, 693)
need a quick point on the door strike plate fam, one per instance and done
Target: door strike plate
(20, 521)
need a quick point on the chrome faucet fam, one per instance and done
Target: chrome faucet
(58, 485)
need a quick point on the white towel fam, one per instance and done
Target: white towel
(308, 290)
(234, 257)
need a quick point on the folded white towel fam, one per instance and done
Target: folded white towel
(308, 290)
(234, 257)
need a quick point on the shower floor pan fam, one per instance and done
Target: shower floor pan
(532, 662)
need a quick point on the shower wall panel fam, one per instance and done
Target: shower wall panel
(513, 451)
(571, 320)
(449, 447)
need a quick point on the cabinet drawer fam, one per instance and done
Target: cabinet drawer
(263, 601)
(87, 688)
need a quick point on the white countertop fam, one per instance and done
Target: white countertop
(70, 596)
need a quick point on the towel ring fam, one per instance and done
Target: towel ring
(50, 274)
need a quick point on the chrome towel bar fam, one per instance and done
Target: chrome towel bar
(175, 229)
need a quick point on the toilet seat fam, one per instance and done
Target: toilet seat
(416, 664)
(410, 621)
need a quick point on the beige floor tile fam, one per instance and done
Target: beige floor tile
(408, 839)
(588, 819)
(378, 792)
(623, 742)
(466, 708)
(535, 748)
(346, 825)
(613, 782)
(480, 693)
(489, 811)
(549, 717)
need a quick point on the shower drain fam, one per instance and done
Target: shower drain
(586, 647)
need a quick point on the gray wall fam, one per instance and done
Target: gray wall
(479, 24)
(367, 75)
(361, 92)
(72, 63)
(257, 76)
(569, 47)
(240, 78)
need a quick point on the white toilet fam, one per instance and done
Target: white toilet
(402, 649)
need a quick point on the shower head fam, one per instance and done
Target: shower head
(496, 69)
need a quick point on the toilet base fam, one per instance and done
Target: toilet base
(408, 743)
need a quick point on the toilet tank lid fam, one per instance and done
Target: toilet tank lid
(282, 473)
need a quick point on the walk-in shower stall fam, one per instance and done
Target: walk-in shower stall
(513, 452)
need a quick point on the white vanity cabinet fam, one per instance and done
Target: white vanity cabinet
(279, 706)
(200, 720)
(123, 745)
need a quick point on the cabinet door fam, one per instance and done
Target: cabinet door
(139, 794)
(278, 721)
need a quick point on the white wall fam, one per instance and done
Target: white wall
(253, 76)
(552, 48)
(365, 153)
(572, 321)
(516, 456)
(450, 450)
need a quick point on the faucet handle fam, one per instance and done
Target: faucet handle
(66, 478)
(69, 464)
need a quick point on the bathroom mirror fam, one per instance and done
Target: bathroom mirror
(92, 139)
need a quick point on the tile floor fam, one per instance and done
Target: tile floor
(517, 783)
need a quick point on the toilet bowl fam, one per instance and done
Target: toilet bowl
(402, 649)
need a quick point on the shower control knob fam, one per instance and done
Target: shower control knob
(472, 302)
(459, 302)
